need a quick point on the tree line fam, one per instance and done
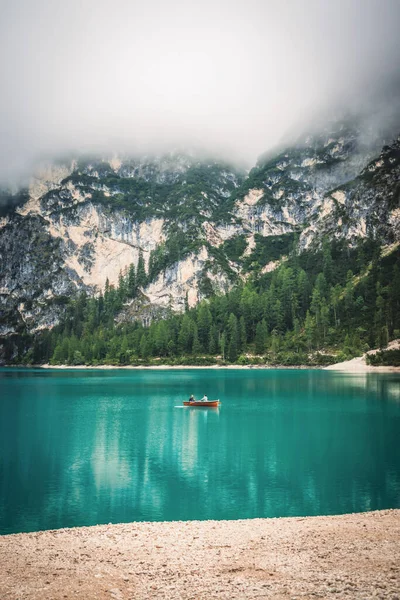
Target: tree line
(315, 308)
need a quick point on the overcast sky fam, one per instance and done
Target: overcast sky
(230, 76)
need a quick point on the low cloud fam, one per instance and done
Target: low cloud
(231, 77)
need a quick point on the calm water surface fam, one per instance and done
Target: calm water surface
(88, 447)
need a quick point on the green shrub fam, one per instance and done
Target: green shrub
(386, 358)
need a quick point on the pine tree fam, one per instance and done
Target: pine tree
(185, 336)
(162, 338)
(222, 344)
(233, 338)
(347, 346)
(144, 347)
(171, 348)
(132, 281)
(122, 288)
(249, 310)
(287, 287)
(394, 301)
(324, 318)
(296, 334)
(141, 277)
(327, 263)
(196, 347)
(349, 296)
(73, 347)
(303, 292)
(381, 328)
(204, 322)
(309, 327)
(335, 295)
(242, 334)
(315, 305)
(321, 285)
(275, 342)
(383, 337)
(100, 308)
(278, 317)
(59, 357)
(124, 357)
(152, 267)
(213, 345)
(261, 337)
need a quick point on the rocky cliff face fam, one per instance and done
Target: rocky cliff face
(83, 223)
(199, 224)
(369, 204)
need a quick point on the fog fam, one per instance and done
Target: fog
(230, 77)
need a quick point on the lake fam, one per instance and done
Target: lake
(84, 447)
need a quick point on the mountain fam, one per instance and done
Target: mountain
(86, 221)
(369, 204)
(200, 226)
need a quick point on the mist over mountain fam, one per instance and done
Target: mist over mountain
(232, 78)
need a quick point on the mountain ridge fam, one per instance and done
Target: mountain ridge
(200, 226)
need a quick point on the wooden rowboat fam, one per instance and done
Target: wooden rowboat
(208, 404)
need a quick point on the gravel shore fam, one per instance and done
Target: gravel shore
(349, 556)
(359, 364)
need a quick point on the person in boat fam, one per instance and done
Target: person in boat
(204, 398)
(191, 399)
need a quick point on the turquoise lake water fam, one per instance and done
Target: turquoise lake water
(88, 446)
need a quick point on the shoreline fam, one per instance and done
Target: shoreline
(351, 556)
(355, 365)
(175, 367)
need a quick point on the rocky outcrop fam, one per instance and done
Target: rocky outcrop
(368, 205)
(98, 245)
(85, 221)
(183, 281)
(34, 279)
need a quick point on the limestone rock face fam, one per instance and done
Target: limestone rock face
(198, 223)
(81, 224)
(366, 205)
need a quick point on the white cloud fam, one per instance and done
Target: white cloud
(228, 76)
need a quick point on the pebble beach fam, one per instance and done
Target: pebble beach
(355, 556)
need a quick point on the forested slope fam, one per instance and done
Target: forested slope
(183, 260)
(316, 308)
